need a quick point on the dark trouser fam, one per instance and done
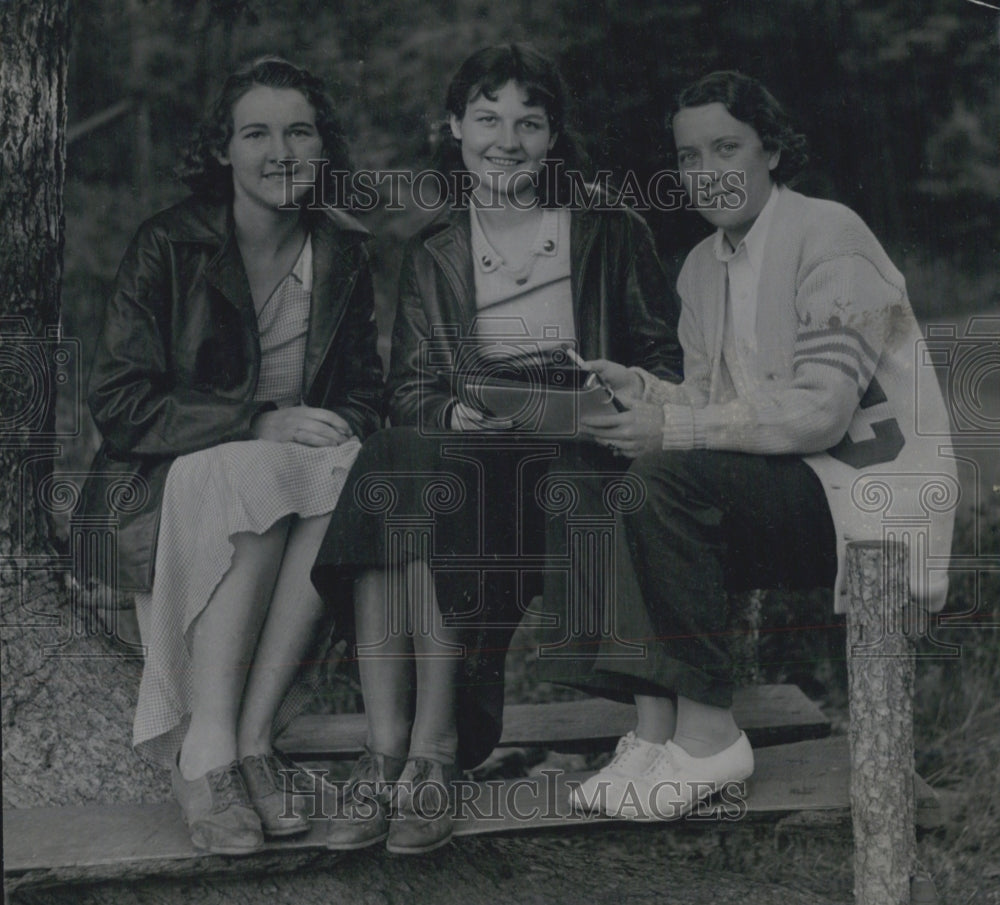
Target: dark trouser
(710, 523)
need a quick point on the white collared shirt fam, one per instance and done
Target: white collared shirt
(303, 269)
(743, 269)
(283, 330)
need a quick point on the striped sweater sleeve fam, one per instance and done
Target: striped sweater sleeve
(845, 307)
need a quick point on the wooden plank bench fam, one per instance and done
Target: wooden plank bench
(56, 846)
(771, 715)
(868, 775)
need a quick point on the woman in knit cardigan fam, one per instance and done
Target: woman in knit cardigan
(794, 430)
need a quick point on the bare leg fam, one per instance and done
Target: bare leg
(384, 660)
(222, 644)
(286, 637)
(656, 718)
(703, 730)
(438, 656)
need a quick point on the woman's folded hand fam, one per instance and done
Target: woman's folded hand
(302, 424)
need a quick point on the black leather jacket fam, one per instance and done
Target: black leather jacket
(624, 308)
(178, 359)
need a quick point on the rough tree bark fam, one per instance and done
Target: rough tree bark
(880, 686)
(34, 40)
(67, 697)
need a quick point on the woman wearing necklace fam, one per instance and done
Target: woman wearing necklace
(505, 269)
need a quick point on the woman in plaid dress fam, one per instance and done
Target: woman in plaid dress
(235, 377)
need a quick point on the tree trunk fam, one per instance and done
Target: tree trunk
(67, 696)
(34, 46)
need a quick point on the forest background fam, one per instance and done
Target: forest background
(900, 100)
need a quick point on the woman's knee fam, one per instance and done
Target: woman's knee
(264, 550)
(308, 533)
(671, 484)
(666, 466)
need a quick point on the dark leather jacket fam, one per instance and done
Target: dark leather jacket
(624, 307)
(178, 359)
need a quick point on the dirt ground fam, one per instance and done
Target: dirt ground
(612, 867)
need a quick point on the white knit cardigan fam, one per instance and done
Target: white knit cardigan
(841, 380)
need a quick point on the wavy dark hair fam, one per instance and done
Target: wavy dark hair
(750, 102)
(483, 75)
(201, 171)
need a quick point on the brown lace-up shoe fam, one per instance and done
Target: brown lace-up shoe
(217, 810)
(362, 817)
(269, 779)
(423, 820)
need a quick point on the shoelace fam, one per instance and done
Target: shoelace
(227, 789)
(288, 774)
(370, 771)
(366, 770)
(627, 746)
(422, 771)
(262, 775)
(659, 759)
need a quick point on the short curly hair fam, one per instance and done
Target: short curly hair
(483, 75)
(200, 169)
(750, 102)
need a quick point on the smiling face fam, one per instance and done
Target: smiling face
(504, 142)
(709, 138)
(270, 125)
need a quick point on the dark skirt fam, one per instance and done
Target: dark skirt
(491, 514)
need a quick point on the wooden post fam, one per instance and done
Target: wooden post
(880, 690)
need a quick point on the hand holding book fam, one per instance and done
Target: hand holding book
(623, 382)
(546, 392)
(637, 426)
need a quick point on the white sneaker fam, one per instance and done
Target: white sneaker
(674, 782)
(632, 757)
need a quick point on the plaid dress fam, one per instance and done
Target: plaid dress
(215, 493)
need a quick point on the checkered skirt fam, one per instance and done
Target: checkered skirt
(210, 496)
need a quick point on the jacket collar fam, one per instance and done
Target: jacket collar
(335, 237)
(450, 244)
(334, 234)
(335, 271)
(212, 223)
